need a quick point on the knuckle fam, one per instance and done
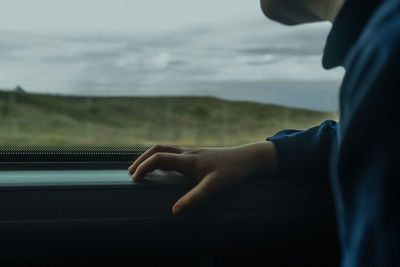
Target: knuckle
(157, 157)
(177, 148)
(158, 147)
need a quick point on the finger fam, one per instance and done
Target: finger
(197, 195)
(152, 151)
(163, 161)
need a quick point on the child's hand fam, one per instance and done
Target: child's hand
(215, 169)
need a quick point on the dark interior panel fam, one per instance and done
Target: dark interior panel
(286, 222)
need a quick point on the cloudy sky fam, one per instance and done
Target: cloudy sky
(223, 48)
(117, 15)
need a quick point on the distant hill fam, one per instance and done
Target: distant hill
(27, 118)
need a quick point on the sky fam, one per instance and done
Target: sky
(224, 48)
(117, 15)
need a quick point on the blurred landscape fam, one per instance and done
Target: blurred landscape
(239, 58)
(27, 118)
(145, 72)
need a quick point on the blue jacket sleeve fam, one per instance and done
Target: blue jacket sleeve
(305, 153)
(366, 175)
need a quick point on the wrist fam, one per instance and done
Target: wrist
(261, 157)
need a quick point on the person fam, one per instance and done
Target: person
(359, 153)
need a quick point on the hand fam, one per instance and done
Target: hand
(215, 169)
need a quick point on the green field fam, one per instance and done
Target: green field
(27, 118)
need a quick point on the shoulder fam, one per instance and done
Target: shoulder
(375, 57)
(379, 42)
(373, 67)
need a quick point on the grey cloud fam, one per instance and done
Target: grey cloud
(196, 53)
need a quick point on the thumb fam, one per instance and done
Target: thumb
(197, 195)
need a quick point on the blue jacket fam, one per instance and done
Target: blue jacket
(360, 153)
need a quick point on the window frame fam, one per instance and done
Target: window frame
(261, 217)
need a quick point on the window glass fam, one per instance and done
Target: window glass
(144, 72)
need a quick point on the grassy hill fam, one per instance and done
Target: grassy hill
(51, 119)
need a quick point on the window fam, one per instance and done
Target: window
(144, 72)
(86, 86)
